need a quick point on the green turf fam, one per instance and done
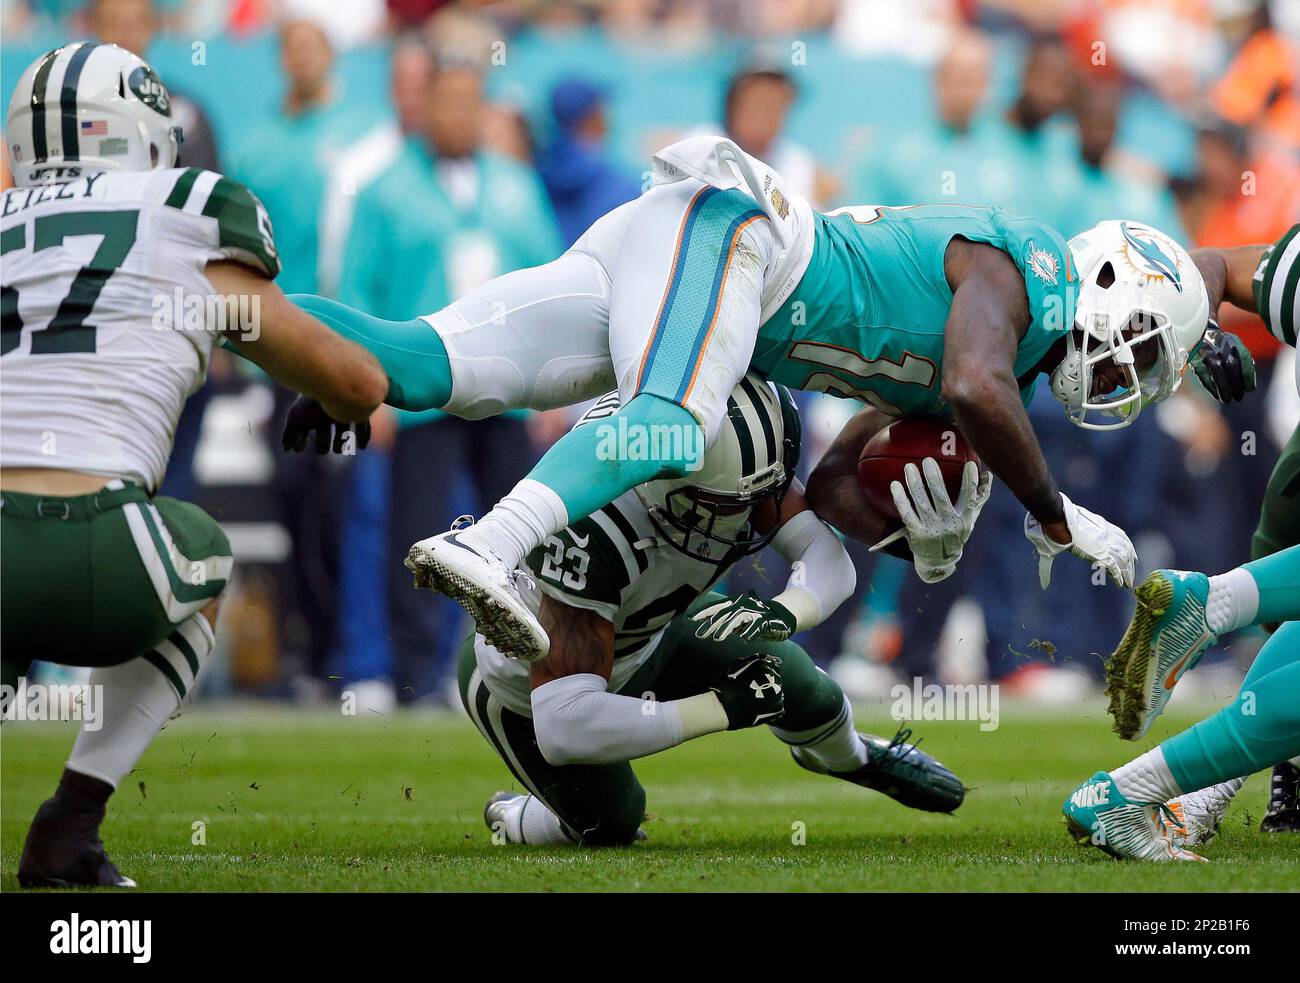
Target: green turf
(310, 801)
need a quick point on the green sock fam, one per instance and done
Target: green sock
(1278, 579)
(1261, 728)
(411, 353)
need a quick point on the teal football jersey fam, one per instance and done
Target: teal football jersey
(867, 319)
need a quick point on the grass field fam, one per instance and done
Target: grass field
(308, 801)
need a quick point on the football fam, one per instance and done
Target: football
(910, 442)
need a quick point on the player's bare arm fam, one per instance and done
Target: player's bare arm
(581, 641)
(833, 491)
(989, 315)
(297, 350)
(1229, 274)
(1221, 361)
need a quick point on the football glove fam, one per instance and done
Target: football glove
(745, 617)
(936, 533)
(750, 691)
(1092, 539)
(306, 418)
(1224, 365)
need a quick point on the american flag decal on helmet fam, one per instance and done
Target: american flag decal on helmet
(94, 127)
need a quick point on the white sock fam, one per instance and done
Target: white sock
(1147, 778)
(519, 523)
(1233, 601)
(538, 826)
(137, 698)
(836, 746)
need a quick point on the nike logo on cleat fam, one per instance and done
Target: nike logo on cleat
(1091, 796)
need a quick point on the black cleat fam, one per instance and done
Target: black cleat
(900, 771)
(1283, 815)
(63, 847)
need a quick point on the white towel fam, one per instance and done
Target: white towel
(718, 162)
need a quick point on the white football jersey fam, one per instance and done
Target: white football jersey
(108, 318)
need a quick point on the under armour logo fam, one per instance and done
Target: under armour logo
(760, 688)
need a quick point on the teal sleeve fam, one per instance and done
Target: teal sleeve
(411, 353)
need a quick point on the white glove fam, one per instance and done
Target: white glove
(937, 533)
(1092, 539)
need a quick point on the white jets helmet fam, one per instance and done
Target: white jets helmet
(89, 107)
(1142, 306)
(706, 514)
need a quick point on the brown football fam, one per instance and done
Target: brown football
(910, 442)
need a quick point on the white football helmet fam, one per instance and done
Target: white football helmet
(706, 514)
(1141, 305)
(89, 107)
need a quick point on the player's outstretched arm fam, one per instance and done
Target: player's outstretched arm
(988, 317)
(822, 577)
(296, 349)
(1229, 274)
(578, 721)
(1221, 361)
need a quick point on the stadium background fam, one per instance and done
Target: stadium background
(391, 186)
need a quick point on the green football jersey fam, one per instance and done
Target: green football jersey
(867, 319)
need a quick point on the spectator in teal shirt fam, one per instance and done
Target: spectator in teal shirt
(445, 217)
(1105, 191)
(955, 157)
(1037, 140)
(287, 160)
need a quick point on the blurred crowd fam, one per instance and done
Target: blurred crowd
(408, 150)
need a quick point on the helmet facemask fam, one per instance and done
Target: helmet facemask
(1122, 336)
(1139, 356)
(711, 525)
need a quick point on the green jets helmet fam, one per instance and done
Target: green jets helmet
(707, 513)
(89, 107)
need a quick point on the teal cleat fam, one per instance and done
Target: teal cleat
(1098, 815)
(1166, 637)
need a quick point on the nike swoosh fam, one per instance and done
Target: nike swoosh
(580, 541)
(1170, 680)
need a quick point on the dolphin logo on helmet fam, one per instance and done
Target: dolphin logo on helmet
(1160, 263)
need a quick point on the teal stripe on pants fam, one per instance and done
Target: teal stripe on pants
(683, 327)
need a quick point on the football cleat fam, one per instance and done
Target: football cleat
(900, 771)
(1099, 815)
(1283, 815)
(63, 849)
(1194, 819)
(481, 584)
(502, 814)
(1166, 638)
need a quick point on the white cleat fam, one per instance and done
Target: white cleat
(1194, 819)
(482, 584)
(502, 815)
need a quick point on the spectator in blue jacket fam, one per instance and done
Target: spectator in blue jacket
(582, 181)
